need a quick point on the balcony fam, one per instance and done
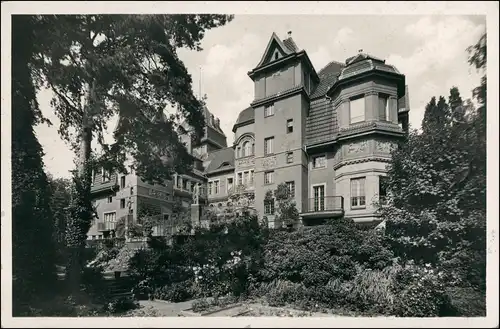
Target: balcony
(322, 208)
(106, 226)
(104, 187)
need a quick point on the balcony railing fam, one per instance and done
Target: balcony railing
(324, 204)
(106, 226)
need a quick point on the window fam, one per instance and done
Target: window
(246, 176)
(110, 199)
(358, 198)
(289, 126)
(166, 217)
(269, 207)
(131, 190)
(240, 178)
(289, 157)
(319, 162)
(229, 183)
(251, 177)
(216, 186)
(253, 148)
(185, 184)
(276, 55)
(93, 177)
(238, 152)
(291, 189)
(319, 197)
(110, 217)
(105, 175)
(357, 110)
(122, 203)
(268, 145)
(247, 149)
(122, 182)
(269, 110)
(269, 177)
(383, 107)
(210, 188)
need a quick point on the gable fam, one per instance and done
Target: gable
(275, 53)
(275, 47)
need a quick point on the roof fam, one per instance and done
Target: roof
(290, 44)
(327, 77)
(245, 116)
(362, 63)
(219, 160)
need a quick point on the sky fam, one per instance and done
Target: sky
(429, 50)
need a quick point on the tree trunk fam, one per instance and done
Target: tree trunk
(84, 176)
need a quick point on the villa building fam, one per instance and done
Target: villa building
(327, 134)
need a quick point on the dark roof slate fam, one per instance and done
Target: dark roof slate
(220, 160)
(291, 45)
(328, 75)
(247, 115)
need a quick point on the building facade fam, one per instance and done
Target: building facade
(327, 134)
(118, 195)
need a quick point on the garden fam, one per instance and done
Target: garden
(336, 268)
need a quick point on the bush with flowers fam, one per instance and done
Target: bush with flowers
(420, 292)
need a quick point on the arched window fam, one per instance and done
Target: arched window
(244, 149)
(247, 149)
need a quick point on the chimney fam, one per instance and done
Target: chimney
(360, 51)
(289, 34)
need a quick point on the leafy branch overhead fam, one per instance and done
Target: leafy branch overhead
(130, 67)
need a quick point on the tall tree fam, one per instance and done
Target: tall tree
(99, 66)
(287, 212)
(478, 59)
(437, 190)
(437, 115)
(457, 107)
(32, 248)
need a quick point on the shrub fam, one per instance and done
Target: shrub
(466, 302)
(419, 292)
(143, 290)
(120, 305)
(200, 305)
(281, 293)
(318, 254)
(372, 290)
(176, 292)
(93, 281)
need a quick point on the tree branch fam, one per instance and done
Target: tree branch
(66, 101)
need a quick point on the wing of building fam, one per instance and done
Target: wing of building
(327, 134)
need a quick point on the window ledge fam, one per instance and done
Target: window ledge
(358, 207)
